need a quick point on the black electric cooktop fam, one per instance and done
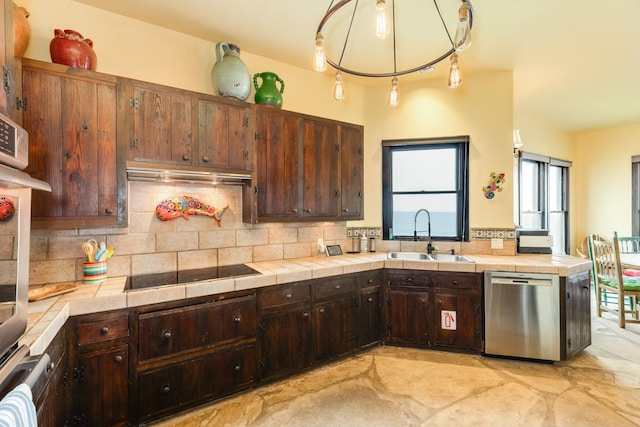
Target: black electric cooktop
(186, 276)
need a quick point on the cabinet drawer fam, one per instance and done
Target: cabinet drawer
(92, 331)
(410, 278)
(458, 280)
(334, 287)
(184, 329)
(370, 278)
(194, 381)
(285, 294)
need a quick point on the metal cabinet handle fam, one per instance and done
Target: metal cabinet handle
(454, 282)
(108, 211)
(236, 318)
(288, 296)
(205, 159)
(166, 388)
(118, 358)
(337, 286)
(237, 368)
(294, 210)
(307, 210)
(306, 314)
(345, 210)
(370, 281)
(104, 330)
(166, 335)
(322, 310)
(185, 157)
(369, 299)
(423, 300)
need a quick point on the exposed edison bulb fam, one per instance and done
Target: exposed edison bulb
(394, 96)
(462, 39)
(455, 79)
(338, 89)
(319, 60)
(382, 27)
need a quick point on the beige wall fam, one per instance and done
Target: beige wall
(603, 166)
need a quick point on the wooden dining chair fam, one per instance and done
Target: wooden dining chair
(608, 277)
(629, 245)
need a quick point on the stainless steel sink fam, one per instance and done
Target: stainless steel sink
(410, 256)
(418, 256)
(450, 258)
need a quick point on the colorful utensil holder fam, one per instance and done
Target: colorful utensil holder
(94, 272)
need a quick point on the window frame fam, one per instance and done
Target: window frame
(461, 144)
(544, 163)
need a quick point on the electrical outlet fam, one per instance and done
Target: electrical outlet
(496, 243)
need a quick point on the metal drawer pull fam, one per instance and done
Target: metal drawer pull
(237, 368)
(370, 299)
(166, 388)
(288, 296)
(337, 286)
(104, 330)
(306, 314)
(118, 358)
(454, 282)
(370, 281)
(166, 334)
(236, 318)
(322, 310)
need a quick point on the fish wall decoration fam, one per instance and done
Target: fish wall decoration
(184, 206)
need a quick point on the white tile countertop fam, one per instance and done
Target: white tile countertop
(47, 316)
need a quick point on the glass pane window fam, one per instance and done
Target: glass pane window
(544, 198)
(429, 174)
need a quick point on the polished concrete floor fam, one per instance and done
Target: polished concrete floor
(390, 386)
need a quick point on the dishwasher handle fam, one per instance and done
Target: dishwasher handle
(517, 281)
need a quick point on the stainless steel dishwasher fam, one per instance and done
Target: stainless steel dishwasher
(522, 315)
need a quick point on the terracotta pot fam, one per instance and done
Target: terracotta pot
(21, 30)
(68, 47)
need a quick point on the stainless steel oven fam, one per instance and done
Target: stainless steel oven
(15, 229)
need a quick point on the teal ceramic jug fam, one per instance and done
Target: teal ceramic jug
(229, 74)
(268, 93)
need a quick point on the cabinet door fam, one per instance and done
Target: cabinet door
(458, 318)
(578, 313)
(370, 317)
(224, 140)
(409, 317)
(321, 170)
(352, 171)
(103, 387)
(6, 59)
(286, 342)
(71, 120)
(279, 194)
(336, 327)
(159, 122)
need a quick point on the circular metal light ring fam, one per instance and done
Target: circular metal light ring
(341, 4)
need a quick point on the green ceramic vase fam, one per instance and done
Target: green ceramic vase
(268, 93)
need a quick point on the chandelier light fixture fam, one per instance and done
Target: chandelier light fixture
(364, 48)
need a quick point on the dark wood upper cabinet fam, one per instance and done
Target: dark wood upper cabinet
(7, 94)
(70, 115)
(224, 134)
(157, 123)
(308, 168)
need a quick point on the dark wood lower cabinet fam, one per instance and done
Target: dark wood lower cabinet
(128, 367)
(99, 369)
(286, 342)
(170, 389)
(50, 394)
(103, 383)
(410, 317)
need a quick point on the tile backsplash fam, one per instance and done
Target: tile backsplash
(149, 245)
